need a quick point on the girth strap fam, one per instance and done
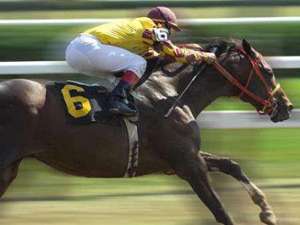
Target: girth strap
(133, 147)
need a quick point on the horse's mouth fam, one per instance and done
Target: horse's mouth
(281, 112)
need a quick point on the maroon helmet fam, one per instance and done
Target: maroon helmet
(164, 15)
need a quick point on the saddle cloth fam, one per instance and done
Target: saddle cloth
(88, 103)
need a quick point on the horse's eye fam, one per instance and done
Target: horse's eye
(267, 70)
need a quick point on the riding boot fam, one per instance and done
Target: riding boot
(118, 99)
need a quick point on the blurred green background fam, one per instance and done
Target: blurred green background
(271, 157)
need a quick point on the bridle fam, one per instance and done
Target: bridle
(268, 103)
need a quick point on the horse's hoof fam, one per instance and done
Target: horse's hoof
(268, 217)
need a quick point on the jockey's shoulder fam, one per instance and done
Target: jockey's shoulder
(146, 21)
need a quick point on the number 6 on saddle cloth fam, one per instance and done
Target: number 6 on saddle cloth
(85, 103)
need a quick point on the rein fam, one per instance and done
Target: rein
(266, 103)
(202, 67)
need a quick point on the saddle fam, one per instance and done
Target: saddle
(87, 103)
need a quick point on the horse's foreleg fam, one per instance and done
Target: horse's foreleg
(233, 169)
(192, 168)
(7, 175)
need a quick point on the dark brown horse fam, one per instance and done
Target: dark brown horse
(33, 124)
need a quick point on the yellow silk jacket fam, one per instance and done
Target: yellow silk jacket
(139, 36)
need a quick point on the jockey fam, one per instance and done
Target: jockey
(122, 47)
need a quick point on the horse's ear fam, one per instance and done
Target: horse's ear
(247, 48)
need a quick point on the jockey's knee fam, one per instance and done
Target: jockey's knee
(138, 66)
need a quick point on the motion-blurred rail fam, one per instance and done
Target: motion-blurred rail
(244, 119)
(194, 21)
(6, 5)
(61, 67)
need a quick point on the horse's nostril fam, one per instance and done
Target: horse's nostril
(290, 107)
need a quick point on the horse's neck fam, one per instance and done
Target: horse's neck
(159, 89)
(205, 89)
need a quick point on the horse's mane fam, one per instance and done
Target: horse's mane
(223, 45)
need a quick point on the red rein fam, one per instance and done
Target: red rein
(266, 103)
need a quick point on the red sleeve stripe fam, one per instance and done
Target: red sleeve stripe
(147, 34)
(178, 52)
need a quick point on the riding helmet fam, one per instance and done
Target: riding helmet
(164, 15)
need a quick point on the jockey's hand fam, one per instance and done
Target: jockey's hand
(197, 57)
(193, 57)
(209, 57)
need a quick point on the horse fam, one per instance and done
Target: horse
(33, 124)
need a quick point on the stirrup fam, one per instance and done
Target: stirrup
(119, 107)
(116, 111)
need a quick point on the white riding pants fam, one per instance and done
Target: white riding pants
(87, 55)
